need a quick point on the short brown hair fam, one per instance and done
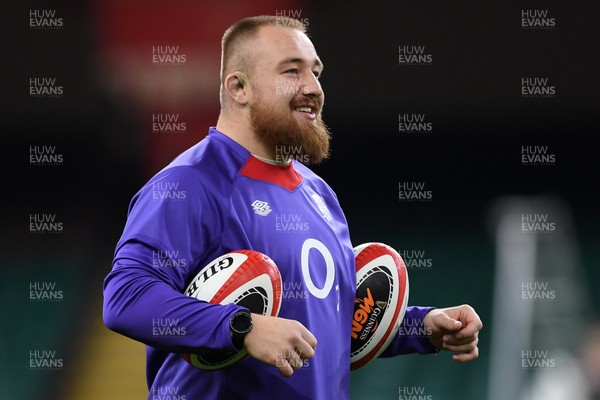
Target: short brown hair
(231, 44)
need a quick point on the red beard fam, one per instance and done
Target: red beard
(287, 138)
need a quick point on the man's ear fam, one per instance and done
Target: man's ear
(237, 86)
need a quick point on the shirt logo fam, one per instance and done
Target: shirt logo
(322, 207)
(261, 208)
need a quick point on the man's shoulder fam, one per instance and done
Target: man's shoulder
(206, 166)
(306, 172)
(211, 157)
(311, 177)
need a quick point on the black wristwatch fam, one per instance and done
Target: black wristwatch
(240, 324)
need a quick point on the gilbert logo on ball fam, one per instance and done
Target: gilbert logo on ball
(244, 277)
(380, 304)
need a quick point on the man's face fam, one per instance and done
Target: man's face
(287, 101)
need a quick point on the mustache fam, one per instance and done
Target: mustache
(316, 103)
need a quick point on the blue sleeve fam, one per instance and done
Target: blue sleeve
(412, 336)
(170, 227)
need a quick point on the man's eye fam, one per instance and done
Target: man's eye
(292, 71)
(317, 74)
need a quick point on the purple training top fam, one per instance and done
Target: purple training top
(214, 198)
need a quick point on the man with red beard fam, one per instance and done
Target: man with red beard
(232, 191)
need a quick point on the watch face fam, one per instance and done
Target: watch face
(241, 322)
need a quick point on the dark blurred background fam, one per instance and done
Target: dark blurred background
(99, 53)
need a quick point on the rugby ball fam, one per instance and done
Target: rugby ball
(247, 278)
(381, 300)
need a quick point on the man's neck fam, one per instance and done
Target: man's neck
(244, 135)
(273, 162)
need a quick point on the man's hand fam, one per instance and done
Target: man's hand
(455, 329)
(282, 343)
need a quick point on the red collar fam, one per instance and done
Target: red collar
(282, 175)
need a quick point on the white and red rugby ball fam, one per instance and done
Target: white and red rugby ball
(381, 300)
(244, 277)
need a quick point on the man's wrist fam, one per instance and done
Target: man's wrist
(240, 324)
